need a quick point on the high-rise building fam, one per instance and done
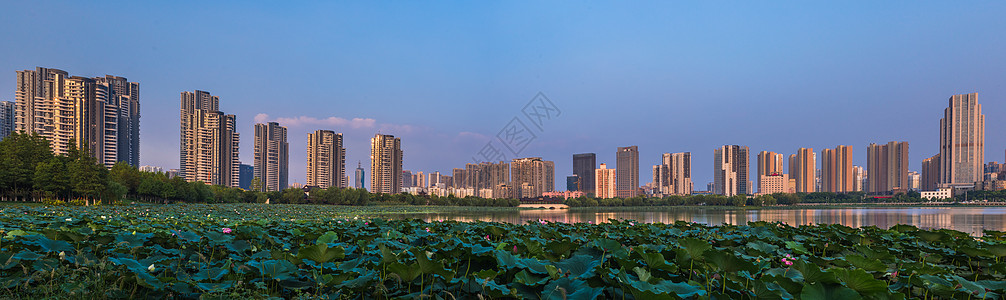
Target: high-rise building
(930, 177)
(246, 174)
(606, 182)
(769, 163)
(887, 166)
(326, 159)
(584, 165)
(836, 170)
(573, 183)
(385, 164)
(407, 179)
(359, 176)
(486, 179)
(6, 118)
(803, 168)
(858, 178)
(459, 178)
(534, 174)
(627, 164)
(731, 170)
(101, 115)
(774, 183)
(272, 159)
(209, 141)
(122, 119)
(962, 141)
(674, 174)
(914, 181)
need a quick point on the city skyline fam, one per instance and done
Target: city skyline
(874, 80)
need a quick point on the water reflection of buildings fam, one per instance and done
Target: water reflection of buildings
(970, 220)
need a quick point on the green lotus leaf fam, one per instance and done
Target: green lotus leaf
(47, 245)
(27, 255)
(579, 266)
(406, 273)
(529, 279)
(275, 269)
(214, 287)
(328, 237)
(867, 264)
(797, 247)
(566, 288)
(860, 281)
(212, 274)
(694, 247)
(822, 291)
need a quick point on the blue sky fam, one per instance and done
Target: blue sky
(447, 76)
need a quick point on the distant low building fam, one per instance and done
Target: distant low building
(943, 193)
(564, 194)
(151, 169)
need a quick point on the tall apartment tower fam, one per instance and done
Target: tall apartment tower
(803, 168)
(962, 141)
(930, 180)
(627, 164)
(887, 166)
(385, 164)
(358, 183)
(584, 165)
(836, 170)
(769, 163)
(122, 119)
(272, 159)
(100, 114)
(326, 159)
(731, 170)
(209, 141)
(532, 176)
(858, 178)
(6, 118)
(606, 182)
(674, 174)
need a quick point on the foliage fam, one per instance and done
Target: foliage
(296, 251)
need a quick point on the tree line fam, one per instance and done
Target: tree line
(29, 171)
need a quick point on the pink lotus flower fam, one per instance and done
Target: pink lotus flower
(487, 237)
(632, 224)
(787, 262)
(227, 230)
(514, 248)
(590, 222)
(427, 229)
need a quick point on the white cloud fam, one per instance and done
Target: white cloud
(354, 123)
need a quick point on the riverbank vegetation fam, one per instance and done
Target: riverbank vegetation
(259, 251)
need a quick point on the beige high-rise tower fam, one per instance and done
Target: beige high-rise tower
(272, 159)
(962, 141)
(836, 170)
(100, 115)
(803, 168)
(673, 176)
(605, 179)
(731, 170)
(887, 167)
(385, 164)
(209, 141)
(532, 176)
(769, 163)
(326, 159)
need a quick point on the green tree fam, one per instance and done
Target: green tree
(51, 178)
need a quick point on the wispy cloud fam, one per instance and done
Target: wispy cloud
(354, 123)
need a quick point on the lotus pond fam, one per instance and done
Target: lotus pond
(291, 251)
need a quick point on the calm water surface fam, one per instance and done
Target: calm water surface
(972, 220)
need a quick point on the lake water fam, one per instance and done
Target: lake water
(972, 220)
